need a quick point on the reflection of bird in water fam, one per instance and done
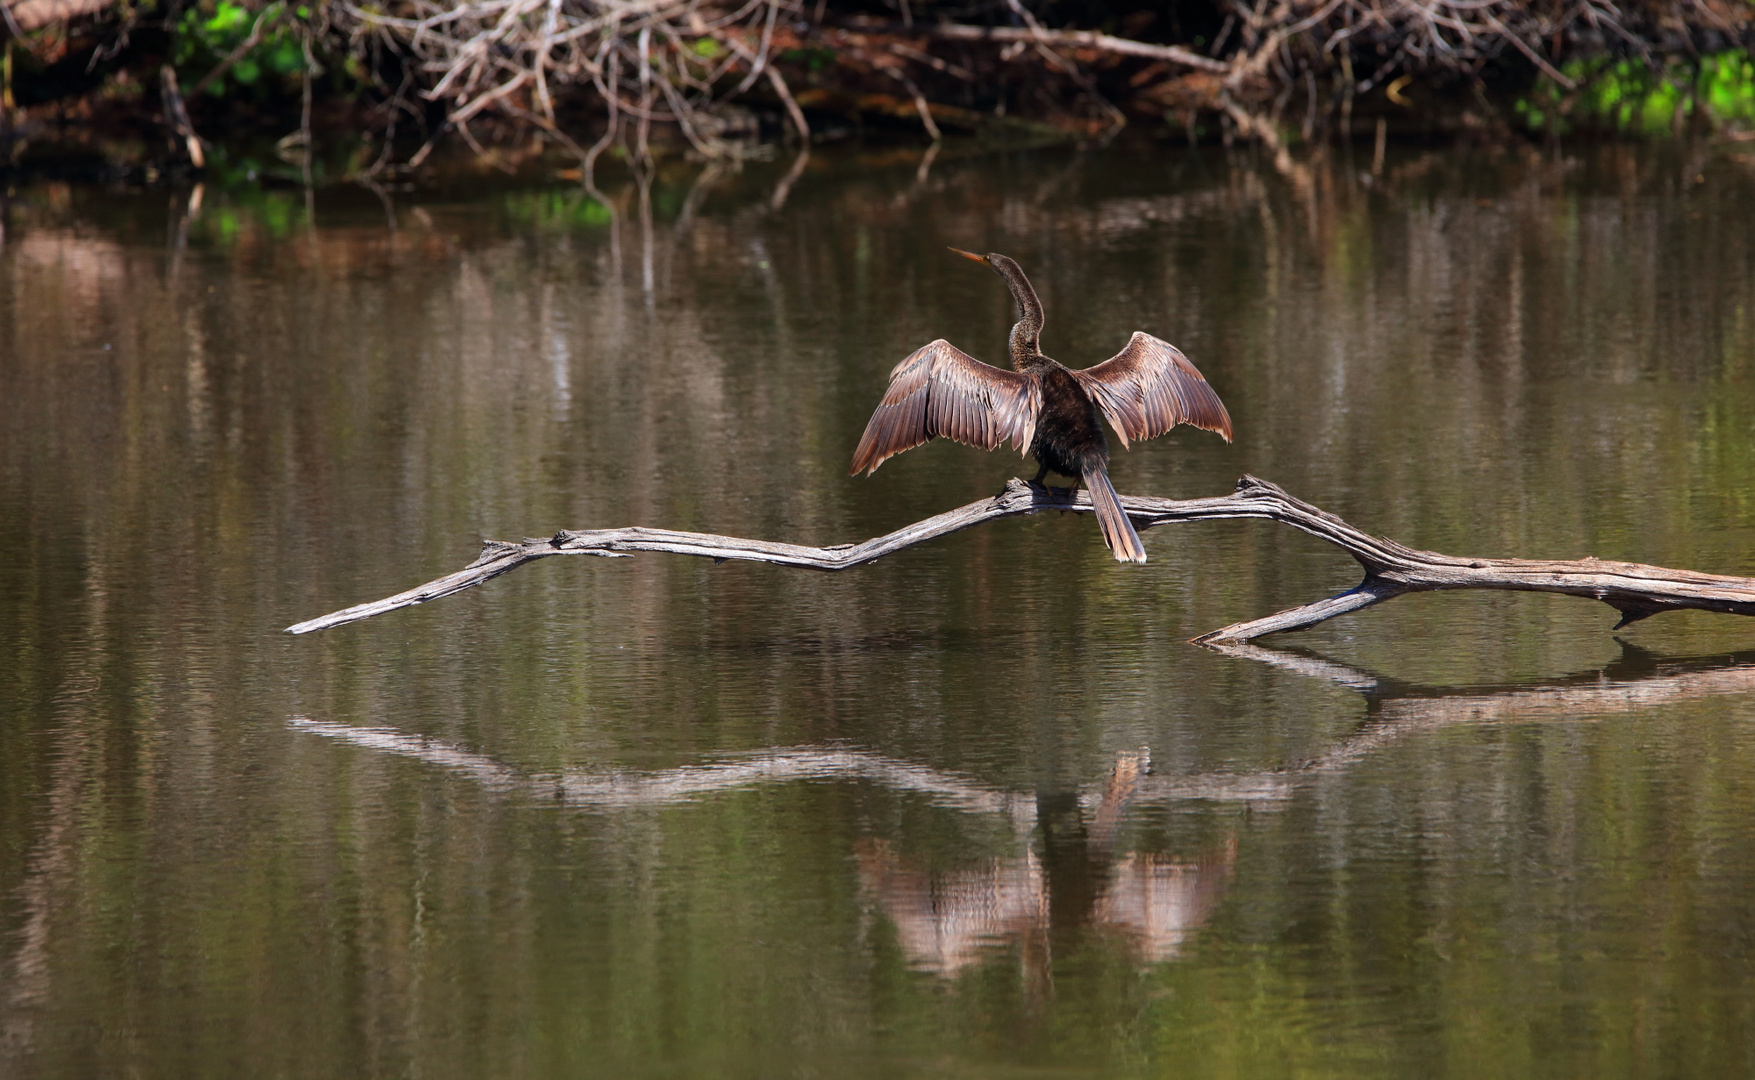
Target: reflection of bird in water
(1066, 878)
(1045, 409)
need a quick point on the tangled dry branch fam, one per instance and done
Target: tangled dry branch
(679, 62)
(648, 61)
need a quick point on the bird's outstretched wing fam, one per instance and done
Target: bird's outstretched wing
(1149, 387)
(941, 390)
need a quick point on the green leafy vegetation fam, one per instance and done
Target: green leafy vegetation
(811, 59)
(554, 211)
(209, 32)
(1633, 97)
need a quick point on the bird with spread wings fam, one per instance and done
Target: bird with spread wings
(1046, 410)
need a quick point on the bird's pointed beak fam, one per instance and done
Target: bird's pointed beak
(970, 255)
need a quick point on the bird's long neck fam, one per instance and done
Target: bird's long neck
(1026, 340)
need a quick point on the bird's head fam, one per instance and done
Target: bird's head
(1029, 325)
(1006, 268)
(1001, 265)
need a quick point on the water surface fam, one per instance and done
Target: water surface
(977, 809)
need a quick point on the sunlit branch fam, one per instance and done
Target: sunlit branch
(1391, 569)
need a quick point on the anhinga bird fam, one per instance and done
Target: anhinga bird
(1046, 410)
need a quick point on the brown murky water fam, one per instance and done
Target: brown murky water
(657, 817)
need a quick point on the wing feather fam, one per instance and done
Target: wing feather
(941, 390)
(1149, 387)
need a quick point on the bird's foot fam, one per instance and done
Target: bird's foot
(1037, 485)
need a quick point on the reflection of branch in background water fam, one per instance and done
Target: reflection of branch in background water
(618, 790)
(1638, 681)
(1069, 868)
(1066, 874)
(942, 920)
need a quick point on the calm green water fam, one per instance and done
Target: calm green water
(657, 817)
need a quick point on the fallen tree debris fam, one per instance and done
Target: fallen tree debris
(599, 73)
(1391, 569)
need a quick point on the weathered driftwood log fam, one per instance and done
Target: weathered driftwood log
(1391, 569)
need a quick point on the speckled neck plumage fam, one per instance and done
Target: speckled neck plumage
(1026, 339)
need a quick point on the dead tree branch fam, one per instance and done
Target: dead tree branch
(720, 72)
(1391, 569)
(700, 56)
(177, 116)
(1086, 39)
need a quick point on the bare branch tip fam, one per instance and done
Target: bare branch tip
(1390, 568)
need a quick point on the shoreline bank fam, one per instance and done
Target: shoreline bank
(164, 89)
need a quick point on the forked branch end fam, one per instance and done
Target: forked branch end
(1391, 569)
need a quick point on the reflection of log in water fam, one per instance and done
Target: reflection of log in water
(1067, 873)
(942, 921)
(1638, 681)
(618, 790)
(1391, 569)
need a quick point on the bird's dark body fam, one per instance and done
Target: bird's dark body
(1144, 390)
(1069, 432)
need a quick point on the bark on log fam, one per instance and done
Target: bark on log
(1391, 569)
(1087, 39)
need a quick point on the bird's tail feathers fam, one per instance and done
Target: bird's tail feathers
(1118, 531)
